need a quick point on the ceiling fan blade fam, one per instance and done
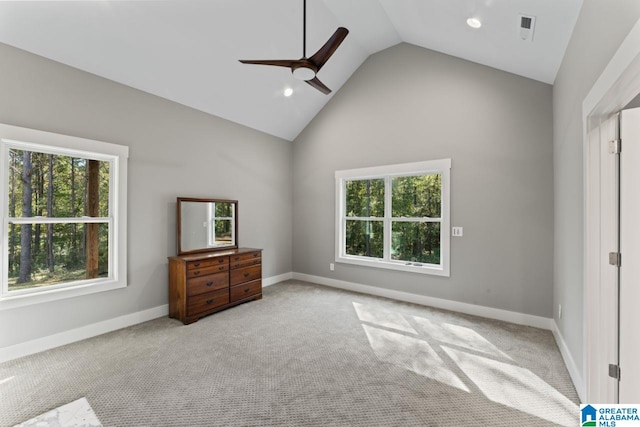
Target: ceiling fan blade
(315, 82)
(277, 62)
(324, 53)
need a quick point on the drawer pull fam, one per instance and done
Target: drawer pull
(255, 255)
(209, 301)
(236, 258)
(221, 260)
(247, 290)
(197, 264)
(237, 265)
(221, 268)
(195, 273)
(246, 274)
(210, 283)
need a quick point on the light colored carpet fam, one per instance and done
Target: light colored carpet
(304, 355)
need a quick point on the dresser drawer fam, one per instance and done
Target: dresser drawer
(195, 265)
(246, 290)
(208, 283)
(207, 270)
(245, 263)
(247, 274)
(204, 302)
(246, 256)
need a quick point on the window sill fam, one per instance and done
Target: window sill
(431, 269)
(22, 300)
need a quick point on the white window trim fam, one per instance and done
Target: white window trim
(47, 142)
(443, 167)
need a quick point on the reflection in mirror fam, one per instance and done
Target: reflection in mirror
(220, 221)
(206, 225)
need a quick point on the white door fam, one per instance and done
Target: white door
(603, 231)
(629, 391)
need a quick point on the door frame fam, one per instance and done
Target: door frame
(618, 85)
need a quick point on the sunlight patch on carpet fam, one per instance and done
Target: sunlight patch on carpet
(516, 387)
(411, 354)
(459, 336)
(381, 317)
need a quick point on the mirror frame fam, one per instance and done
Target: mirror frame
(179, 225)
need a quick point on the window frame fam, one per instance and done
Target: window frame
(443, 167)
(51, 143)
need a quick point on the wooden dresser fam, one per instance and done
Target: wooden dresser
(201, 284)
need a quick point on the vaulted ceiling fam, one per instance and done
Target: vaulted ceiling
(187, 51)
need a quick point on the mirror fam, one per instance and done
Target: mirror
(205, 225)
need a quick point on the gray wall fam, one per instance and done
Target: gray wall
(174, 151)
(409, 104)
(635, 102)
(601, 28)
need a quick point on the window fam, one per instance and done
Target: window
(63, 205)
(395, 217)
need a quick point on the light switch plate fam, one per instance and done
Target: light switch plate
(456, 231)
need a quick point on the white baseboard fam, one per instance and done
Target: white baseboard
(574, 372)
(95, 329)
(73, 335)
(276, 279)
(461, 307)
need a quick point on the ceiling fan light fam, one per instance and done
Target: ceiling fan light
(303, 73)
(474, 23)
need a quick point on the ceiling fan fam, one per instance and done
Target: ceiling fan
(307, 68)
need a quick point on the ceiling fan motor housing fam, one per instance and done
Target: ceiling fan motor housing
(304, 71)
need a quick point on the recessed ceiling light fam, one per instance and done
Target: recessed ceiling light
(474, 23)
(288, 92)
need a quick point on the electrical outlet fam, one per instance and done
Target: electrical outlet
(456, 231)
(332, 266)
(559, 311)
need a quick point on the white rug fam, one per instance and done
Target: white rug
(75, 414)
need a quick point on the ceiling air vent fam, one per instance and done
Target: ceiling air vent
(527, 25)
